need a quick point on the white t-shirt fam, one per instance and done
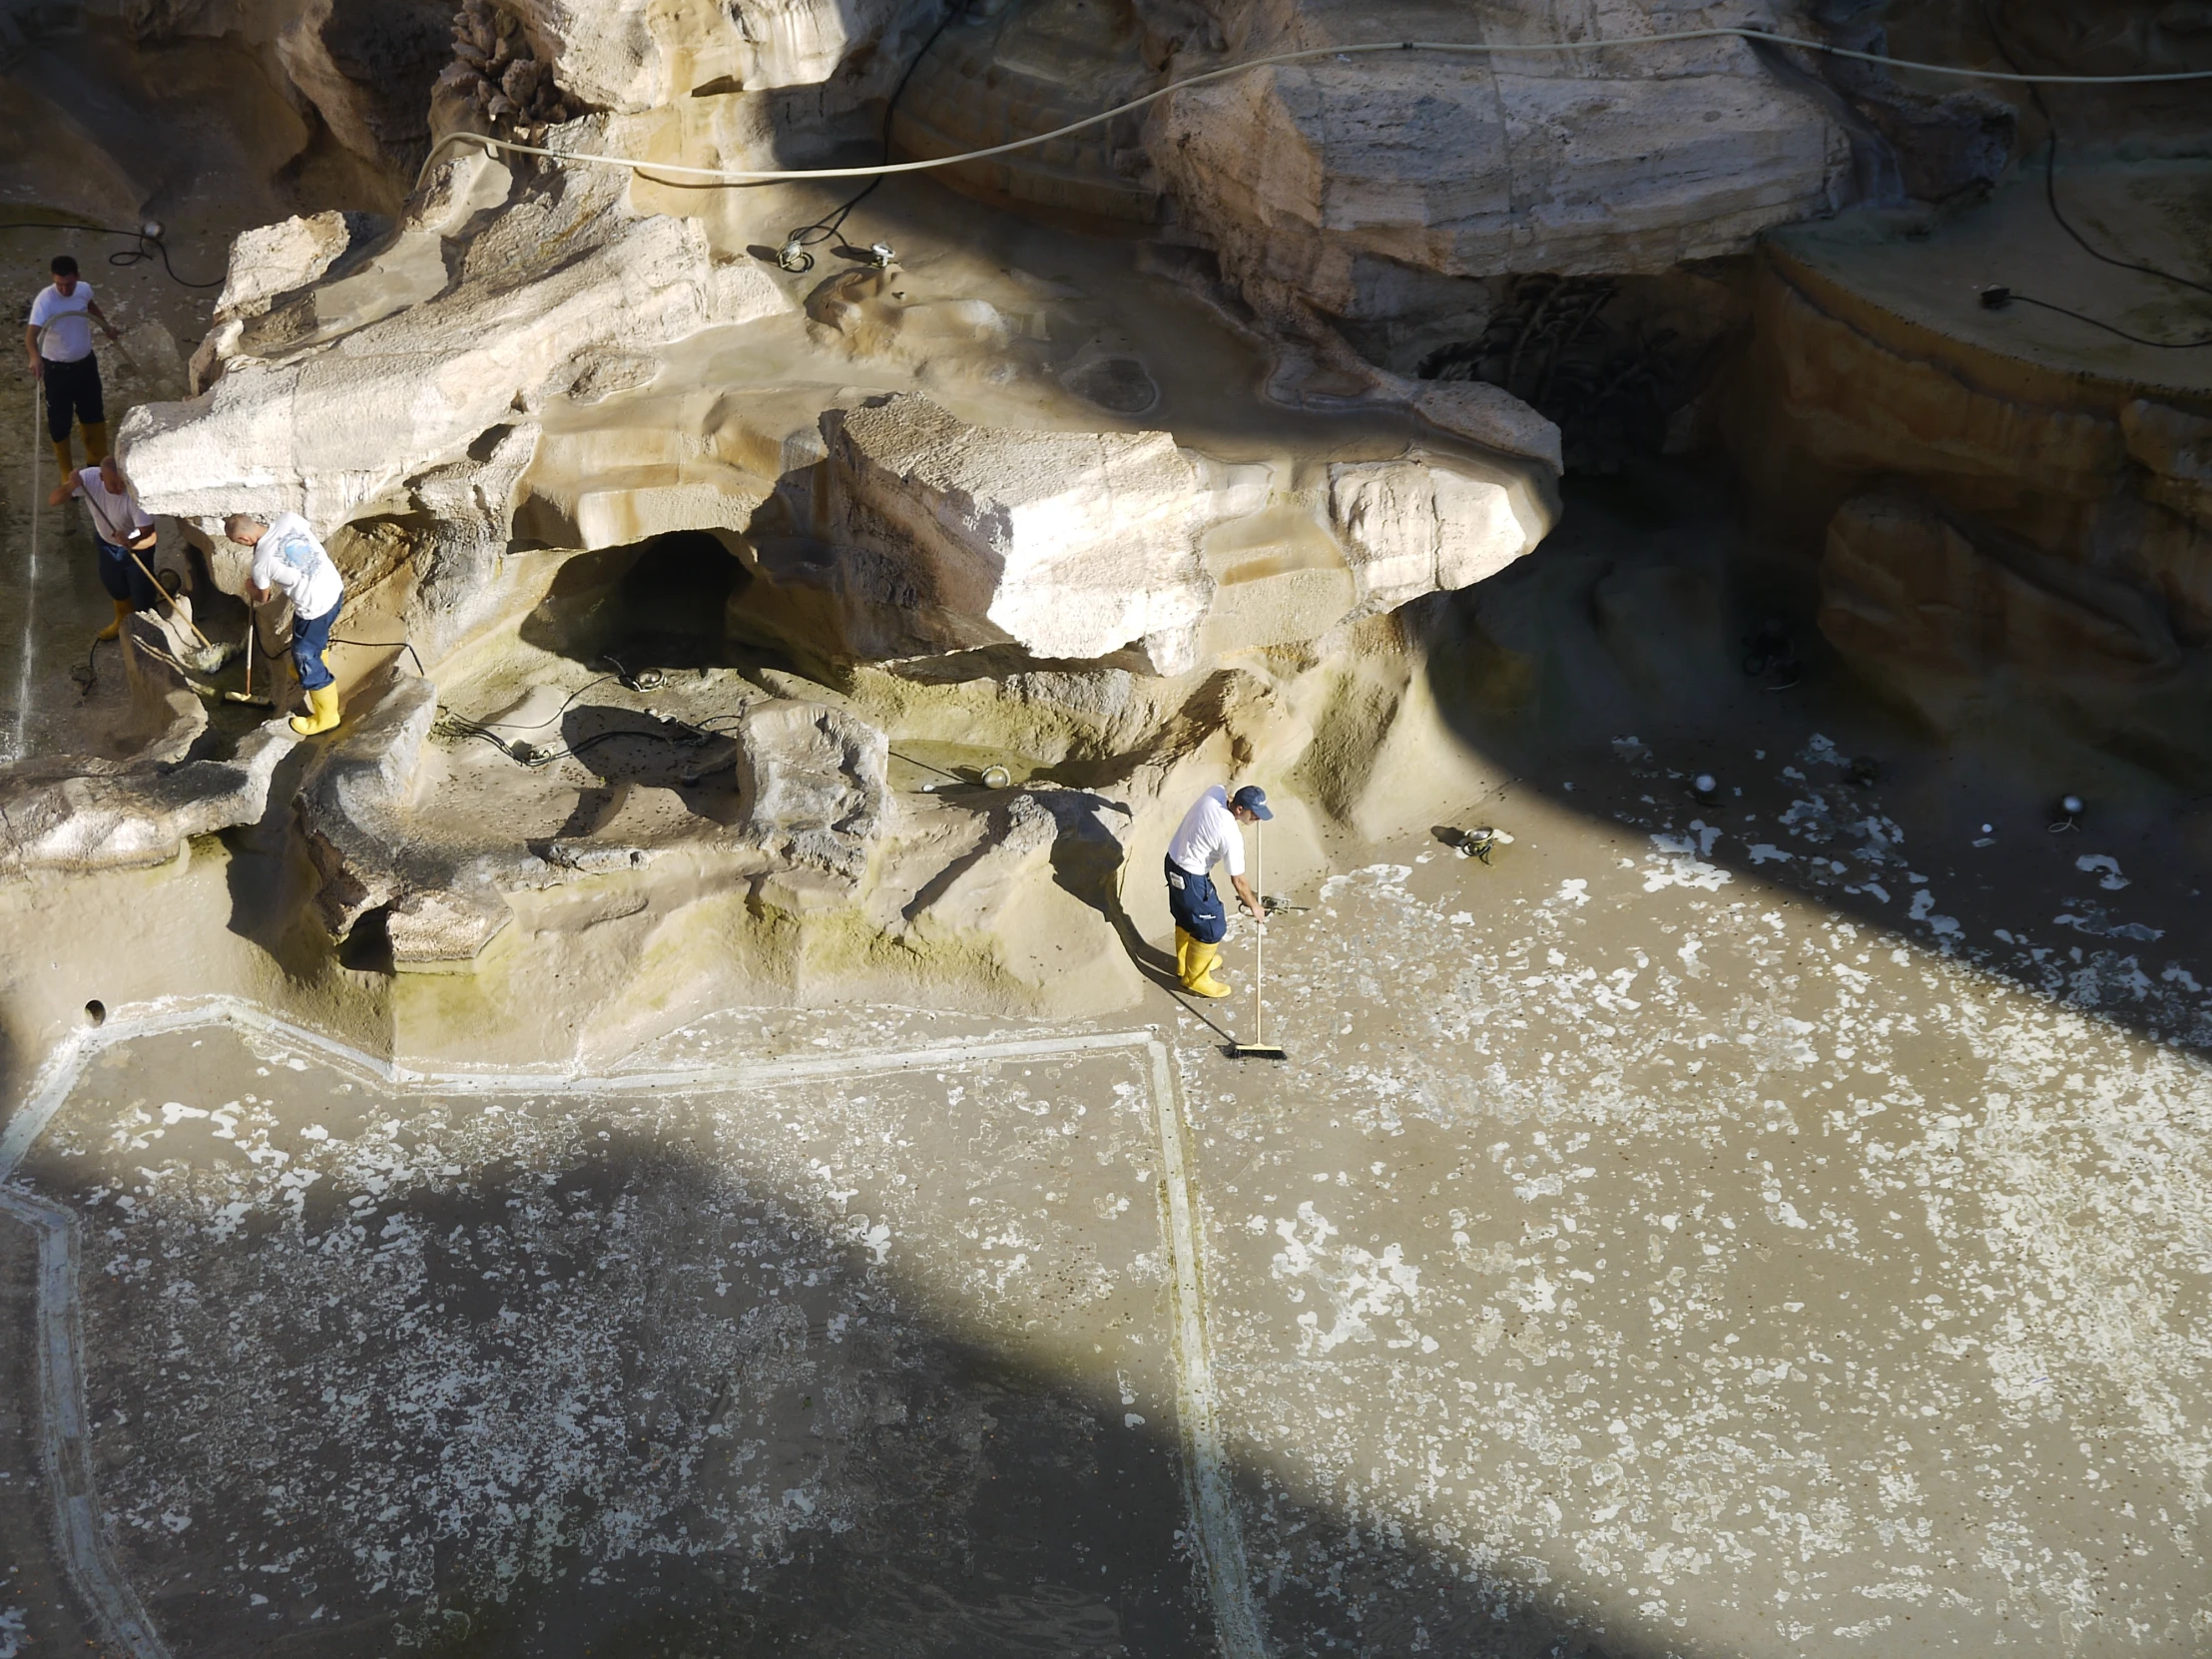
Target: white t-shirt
(118, 518)
(68, 329)
(289, 557)
(1208, 833)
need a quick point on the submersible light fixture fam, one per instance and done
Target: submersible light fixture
(1704, 786)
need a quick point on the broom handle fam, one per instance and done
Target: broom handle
(171, 603)
(1260, 942)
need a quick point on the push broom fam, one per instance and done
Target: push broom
(1257, 1050)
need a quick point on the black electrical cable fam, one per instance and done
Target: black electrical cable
(537, 726)
(123, 256)
(268, 655)
(2013, 299)
(793, 257)
(1990, 10)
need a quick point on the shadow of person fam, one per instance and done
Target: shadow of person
(632, 752)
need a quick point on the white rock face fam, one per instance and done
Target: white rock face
(1077, 545)
(1069, 544)
(1319, 181)
(276, 258)
(626, 57)
(336, 413)
(134, 817)
(1418, 526)
(1488, 415)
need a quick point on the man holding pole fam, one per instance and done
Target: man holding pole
(1209, 834)
(286, 556)
(58, 338)
(122, 530)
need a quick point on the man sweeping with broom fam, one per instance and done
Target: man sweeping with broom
(122, 533)
(286, 556)
(1210, 834)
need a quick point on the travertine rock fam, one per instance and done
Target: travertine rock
(1318, 183)
(1861, 405)
(276, 258)
(1488, 415)
(1418, 526)
(2176, 447)
(626, 57)
(340, 419)
(1932, 610)
(1069, 544)
(353, 811)
(812, 785)
(497, 71)
(946, 537)
(365, 67)
(139, 815)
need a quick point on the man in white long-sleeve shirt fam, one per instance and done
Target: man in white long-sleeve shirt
(286, 556)
(1209, 834)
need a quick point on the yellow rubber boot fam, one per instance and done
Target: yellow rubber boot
(61, 458)
(96, 442)
(322, 712)
(1183, 943)
(114, 630)
(1200, 981)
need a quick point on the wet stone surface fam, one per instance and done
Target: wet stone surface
(1637, 1256)
(1632, 1259)
(872, 1364)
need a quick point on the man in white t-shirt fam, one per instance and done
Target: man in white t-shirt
(288, 559)
(1209, 834)
(58, 338)
(124, 533)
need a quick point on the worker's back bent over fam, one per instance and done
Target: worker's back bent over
(1209, 834)
(288, 558)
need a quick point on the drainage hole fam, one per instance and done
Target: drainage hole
(95, 1012)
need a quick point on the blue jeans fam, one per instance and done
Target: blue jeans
(311, 638)
(1195, 905)
(121, 576)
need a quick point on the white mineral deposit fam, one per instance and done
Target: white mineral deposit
(1128, 829)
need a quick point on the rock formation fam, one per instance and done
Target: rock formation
(989, 498)
(2000, 530)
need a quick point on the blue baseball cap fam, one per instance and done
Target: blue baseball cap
(1253, 800)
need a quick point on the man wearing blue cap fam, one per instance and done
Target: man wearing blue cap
(1209, 834)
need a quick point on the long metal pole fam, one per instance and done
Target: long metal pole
(1259, 941)
(30, 590)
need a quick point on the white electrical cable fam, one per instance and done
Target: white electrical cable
(744, 176)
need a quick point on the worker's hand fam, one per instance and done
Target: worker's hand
(38, 366)
(1257, 914)
(114, 337)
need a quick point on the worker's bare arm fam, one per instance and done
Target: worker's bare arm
(30, 346)
(73, 485)
(93, 307)
(1247, 897)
